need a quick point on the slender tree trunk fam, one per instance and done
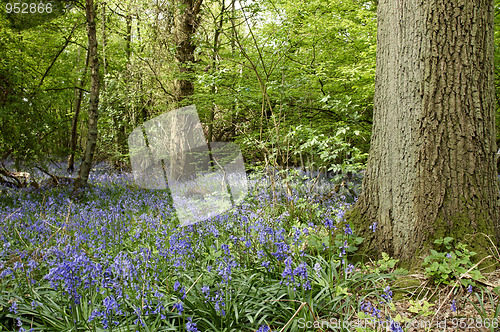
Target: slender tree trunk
(186, 22)
(431, 171)
(119, 117)
(84, 171)
(128, 38)
(74, 124)
(215, 51)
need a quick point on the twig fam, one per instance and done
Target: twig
(302, 304)
(51, 175)
(189, 289)
(456, 282)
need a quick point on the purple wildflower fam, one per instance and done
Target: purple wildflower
(190, 326)
(179, 307)
(453, 306)
(348, 230)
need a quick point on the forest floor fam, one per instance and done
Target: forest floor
(434, 304)
(116, 258)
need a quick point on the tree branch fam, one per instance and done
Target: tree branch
(156, 76)
(58, 54)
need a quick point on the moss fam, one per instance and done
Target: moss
(464, 233)
(461, 232)
(404, 285)
(359, 224)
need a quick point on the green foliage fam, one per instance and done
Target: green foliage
(444, 267)
(488, 301)
(421, 308)
(386, 264)
(333, 152)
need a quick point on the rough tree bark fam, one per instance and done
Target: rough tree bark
(83, 173)
(431, 171)
(185, 24)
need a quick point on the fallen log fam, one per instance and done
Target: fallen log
(15, 179)
(23, 179)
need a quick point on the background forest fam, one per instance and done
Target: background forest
(292, 83)
(273, 76)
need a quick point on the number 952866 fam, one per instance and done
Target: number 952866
(28, 8)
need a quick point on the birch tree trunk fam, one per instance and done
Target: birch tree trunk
(84, 171)
(431, 171)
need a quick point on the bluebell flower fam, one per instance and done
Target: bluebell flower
(301, 270)
(264, 328)
(179, 307)
(376, 312)
(225, 248)
(190, 326)
(342, 249)
(296, 236)
(448, 255)
(317, 268)
(396, 327)
(288, 272)
(18, 266)
(260, 253)
(13, 307)
(388, 294)
(369, 309)
(6, 272)
(34, 304)
(366, 307)
(330, 224)
(453, 306)
(348, 230)
(373, 227)
(469, 289)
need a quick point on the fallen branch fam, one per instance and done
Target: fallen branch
(17, 179)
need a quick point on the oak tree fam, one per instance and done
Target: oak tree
(431, 171)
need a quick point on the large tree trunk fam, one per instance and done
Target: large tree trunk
(431, 171)
(84, 171)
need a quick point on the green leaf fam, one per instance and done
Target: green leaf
(447, 240)
(358, 240)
